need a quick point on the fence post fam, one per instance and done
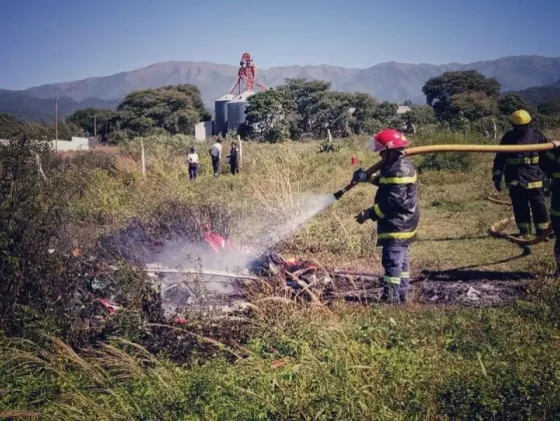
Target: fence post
(40, 167)
(143, 158)
(240, 151)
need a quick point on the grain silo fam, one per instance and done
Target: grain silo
(221, 110)
(236, 110)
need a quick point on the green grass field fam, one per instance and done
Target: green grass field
(294, 361)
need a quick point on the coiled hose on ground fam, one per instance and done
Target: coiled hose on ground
(496, 229)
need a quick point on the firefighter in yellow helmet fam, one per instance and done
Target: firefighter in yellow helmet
(523, 175)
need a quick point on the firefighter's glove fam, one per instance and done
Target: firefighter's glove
(556, 143)
(364, 215)
(360, 176)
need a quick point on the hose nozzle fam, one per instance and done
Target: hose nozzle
(339, 194)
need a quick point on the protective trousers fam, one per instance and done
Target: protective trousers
(525, 202)
(193, 171)
(396, 281)
(234, 167)
(556, 227)
(216, 165)
(555, 219)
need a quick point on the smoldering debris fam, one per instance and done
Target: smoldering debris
(188, 253)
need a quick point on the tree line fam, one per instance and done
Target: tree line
(169, 109)
(302, 108)
(458, 101)
(309, 109)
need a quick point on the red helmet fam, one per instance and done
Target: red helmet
(388, 139)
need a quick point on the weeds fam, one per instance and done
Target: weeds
(283, 360)
(312, 364)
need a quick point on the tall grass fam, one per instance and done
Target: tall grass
(311, 363)
(298, 361)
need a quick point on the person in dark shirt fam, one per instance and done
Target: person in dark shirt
(551, 167)
(523, 175)
(234, 159)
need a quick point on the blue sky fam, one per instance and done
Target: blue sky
(46, 41)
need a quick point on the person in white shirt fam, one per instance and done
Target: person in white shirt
(216, 155)
(192, 160)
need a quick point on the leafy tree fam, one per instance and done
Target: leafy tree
(386, 112)
(309, 108)
(268, 115)
(546, 122)
(305, 95)
(175, 109)
(8, 126)
(85, 119)
(419, 115)
(509, 103)
(473, 105)
(334, 113)
(11, 127)
(363, 116)
(549, 108)
(440, 92)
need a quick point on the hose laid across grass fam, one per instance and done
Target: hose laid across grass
(495, 230)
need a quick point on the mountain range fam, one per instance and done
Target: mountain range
(392, 81)
(539, 94)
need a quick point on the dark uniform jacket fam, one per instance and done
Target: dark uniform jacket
(521, 168)
(396, 208)
(551, 167)
(233, 157)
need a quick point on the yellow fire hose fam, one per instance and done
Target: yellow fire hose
(496, 229)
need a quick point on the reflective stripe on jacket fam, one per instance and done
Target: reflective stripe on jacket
(396, 208)
(521, 168)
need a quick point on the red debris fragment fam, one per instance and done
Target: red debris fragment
(110, 306)
(216, 241)
(180, 321)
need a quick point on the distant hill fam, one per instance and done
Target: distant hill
(26, 107)
(539, 94)
(395, 82)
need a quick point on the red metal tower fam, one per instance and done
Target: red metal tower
(246, 76)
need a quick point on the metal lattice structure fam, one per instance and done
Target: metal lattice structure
(246, 76)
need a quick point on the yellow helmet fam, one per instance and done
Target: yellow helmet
(520, 118)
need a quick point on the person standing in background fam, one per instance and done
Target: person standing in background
(216, 155)
(192, 160)
(234, 159)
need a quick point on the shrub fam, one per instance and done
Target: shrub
(328, 146)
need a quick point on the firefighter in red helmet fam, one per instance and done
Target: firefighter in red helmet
(395, 209)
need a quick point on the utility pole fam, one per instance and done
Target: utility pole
(56, 122)
(94, 127)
